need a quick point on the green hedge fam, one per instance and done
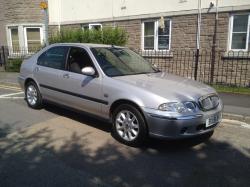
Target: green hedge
(13, 65)
(108, 35)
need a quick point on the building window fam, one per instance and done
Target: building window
(95, 26)
(156, 36)
(239, 32)
(33, 38)
(24, 38)
(14, 38)
(85, 27)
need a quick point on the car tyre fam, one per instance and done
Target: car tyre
(33, 96)
(129, 126)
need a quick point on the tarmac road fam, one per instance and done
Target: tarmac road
(57, 147)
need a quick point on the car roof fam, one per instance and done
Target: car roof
(89, 45)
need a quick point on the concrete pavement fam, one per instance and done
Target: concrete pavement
(57, 147)
(65, 152)
(8, 78)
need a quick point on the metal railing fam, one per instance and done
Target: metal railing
(221, 68)
(216, 68)
(10, 54)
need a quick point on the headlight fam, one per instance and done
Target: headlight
(180, 107)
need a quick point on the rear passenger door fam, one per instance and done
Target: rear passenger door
(50, 71)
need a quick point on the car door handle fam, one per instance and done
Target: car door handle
(36, 69)
(66, 75)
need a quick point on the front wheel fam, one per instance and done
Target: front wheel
(129, 126)
(33, 96)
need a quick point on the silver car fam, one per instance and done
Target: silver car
(117, 84)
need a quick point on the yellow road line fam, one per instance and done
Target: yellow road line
(10, 88)
(7, 95)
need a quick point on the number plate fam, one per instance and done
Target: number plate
(213, 119)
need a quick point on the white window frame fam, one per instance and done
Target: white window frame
(156, 24)
(91, 25)
(10, 39)
(26, 38)
(22, 34)
(95, 24)
(231, 21)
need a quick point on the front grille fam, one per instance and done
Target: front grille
(209, 102)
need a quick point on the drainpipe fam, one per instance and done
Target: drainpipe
(198, 40)
(46, 23)
(113, 13)
(214, 45)
(44, 6)
(59, 16)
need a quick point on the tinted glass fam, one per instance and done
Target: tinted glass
(240, 23)
(78, 59)
(120, 62)
(163, 42)
(239, 40)
(149, 42)
(165, 29)
(149, 28)
(33, 38)
(54, 58)
(163, 35)
(14, 39)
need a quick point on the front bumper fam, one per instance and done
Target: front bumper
(162, 126)
(21, 81)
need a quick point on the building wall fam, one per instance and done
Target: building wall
(183, 31)
(18, 12)
(65, 12)
(133, 28)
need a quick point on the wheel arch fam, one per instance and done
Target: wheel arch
(116, 103)
(29, 80)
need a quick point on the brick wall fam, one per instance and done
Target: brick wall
(53, 29)
(17, 12)
(184, 30)
(133, 28)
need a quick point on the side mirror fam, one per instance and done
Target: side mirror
(88, 71)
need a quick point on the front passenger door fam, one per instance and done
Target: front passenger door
(84, 92)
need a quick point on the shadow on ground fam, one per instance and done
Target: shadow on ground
(33, 160)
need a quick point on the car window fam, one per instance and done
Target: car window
(54, 57)
(121, 61)
(78, 58)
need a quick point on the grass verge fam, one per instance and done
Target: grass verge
(230, 89)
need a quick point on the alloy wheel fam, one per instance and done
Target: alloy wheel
(31, 95)
(127, 125)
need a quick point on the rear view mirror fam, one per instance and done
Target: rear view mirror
(88, 71)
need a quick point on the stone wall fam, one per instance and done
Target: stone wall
(133, 28)
(181, 59)
(18, 12)
(183, 31)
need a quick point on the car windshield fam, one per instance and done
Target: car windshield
(121, 61)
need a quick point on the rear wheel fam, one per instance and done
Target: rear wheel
(129, 126)
(33, 96)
